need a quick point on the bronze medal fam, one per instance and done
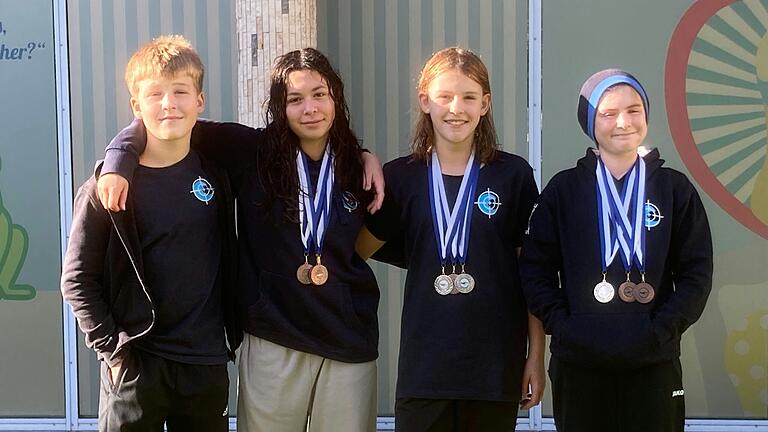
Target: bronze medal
(464, 283)
(302, 274)
(443, 284)
(644, 292)
(319, 273)
(627, 290)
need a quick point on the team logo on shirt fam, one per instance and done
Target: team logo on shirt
(202, 190)
(488, 202)
(349, 201)
(652, 215)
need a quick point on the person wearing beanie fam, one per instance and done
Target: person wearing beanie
(617, 264)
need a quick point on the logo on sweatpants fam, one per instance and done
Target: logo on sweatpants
(677, 393)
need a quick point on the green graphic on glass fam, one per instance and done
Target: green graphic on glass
(13, 251)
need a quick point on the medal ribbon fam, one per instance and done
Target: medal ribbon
(314, 206)
(617, 232)
(460, 243)
(446, 221)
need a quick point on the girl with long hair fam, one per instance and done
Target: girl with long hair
(470, 353)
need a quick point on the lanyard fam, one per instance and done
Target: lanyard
(314, 206)
(452, 224)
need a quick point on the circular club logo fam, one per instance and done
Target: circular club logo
(716, 86)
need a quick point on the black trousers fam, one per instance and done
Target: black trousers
(152, 391)
(449, 415)
(594, 400)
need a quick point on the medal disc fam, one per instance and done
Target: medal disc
(604, 292)
(627, 291)
(644, 292)
(454, 290)
(318, 274)
(443, 284)
(302, 274)
(465, 283)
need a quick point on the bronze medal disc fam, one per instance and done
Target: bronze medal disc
(644, 292)
(464, 283)
(302, 274)
(604, 292)
(318, 274)
(443, 284)
(627, 291)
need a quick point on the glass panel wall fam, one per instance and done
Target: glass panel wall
(32, 356)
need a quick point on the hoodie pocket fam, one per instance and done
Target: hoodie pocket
(323, 314)
(616, 339)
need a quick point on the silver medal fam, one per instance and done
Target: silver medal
(443, 284)
(465, 283)
(604, 292)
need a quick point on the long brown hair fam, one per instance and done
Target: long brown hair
(277, 169)
(469, 64)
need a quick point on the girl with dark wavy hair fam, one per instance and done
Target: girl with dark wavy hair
(307, 302)
(470, 354)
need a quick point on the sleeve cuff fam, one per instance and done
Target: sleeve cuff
(120, 162)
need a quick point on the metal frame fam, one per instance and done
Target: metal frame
(64, 133)
(72, 421)
(534, 88)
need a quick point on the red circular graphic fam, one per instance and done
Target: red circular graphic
(678, 53)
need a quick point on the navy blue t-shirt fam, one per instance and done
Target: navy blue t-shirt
(176, 216)
(464, 346)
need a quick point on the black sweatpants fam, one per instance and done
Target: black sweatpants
(449, 415)
(151, 391)
(594, 400)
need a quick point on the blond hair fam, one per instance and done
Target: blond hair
(164, 57)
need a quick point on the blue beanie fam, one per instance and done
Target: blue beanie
(594, 88)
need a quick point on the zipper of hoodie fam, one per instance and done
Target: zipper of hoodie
(138, 276)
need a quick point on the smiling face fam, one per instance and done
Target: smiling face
(309, 107)
(168, 107)
(455, 104)
(620, 125)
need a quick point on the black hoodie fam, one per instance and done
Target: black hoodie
(560, 265)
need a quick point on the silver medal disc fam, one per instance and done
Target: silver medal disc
(604, 292)
(443, 284)
(465, 283)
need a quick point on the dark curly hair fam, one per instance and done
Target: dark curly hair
(277, 168)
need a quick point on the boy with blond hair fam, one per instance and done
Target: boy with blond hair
(152, 287)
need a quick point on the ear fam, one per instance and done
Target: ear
(424, 102)
(135, 107)
(200, 102)
(485, 104)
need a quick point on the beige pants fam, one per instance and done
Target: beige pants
(281, 389)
